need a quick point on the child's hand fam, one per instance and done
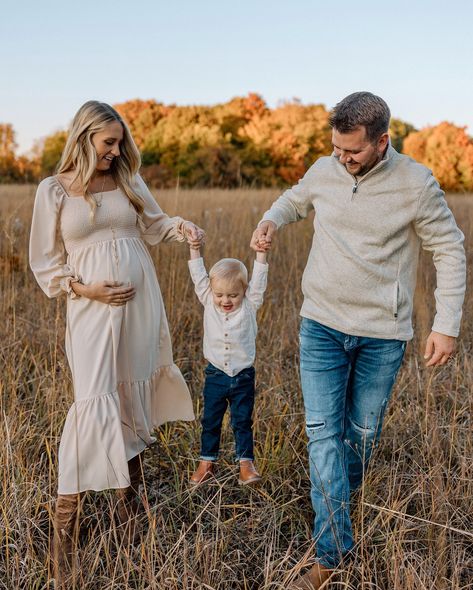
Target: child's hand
(194, 234)
(262, 236)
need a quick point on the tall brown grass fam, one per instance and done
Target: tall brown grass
(413, 518)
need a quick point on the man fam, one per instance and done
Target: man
(374, 208)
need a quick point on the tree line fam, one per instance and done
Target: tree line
(241, 142)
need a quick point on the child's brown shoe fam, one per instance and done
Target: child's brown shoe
(204, 472)
(248, 473)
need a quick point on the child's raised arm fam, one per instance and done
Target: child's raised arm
(259, 280)
(195, 253)
(199, 276)
(261, 257)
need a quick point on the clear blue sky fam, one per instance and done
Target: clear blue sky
(417, 54)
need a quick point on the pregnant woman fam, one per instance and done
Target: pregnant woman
(90, 222)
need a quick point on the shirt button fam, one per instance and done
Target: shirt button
(225, 334)
(226, 319)
(226, 347)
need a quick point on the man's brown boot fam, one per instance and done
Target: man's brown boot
(314, 579)
(204, 472)
(248, 474)
(128, 503)
(65, 540)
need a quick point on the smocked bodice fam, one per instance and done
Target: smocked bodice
(115, 218)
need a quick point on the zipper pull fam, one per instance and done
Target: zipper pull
(355, 187)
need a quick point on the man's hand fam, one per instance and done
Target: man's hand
(439, 349)
(263, 235)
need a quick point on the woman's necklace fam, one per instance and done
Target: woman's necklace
(98, 201)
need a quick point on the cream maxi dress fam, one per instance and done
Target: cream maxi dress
(125, 381)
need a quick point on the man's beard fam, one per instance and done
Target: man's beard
(369, 165)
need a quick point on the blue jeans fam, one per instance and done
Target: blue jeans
(346, 383)
(220, 390)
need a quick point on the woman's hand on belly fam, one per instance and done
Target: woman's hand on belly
(108, 292)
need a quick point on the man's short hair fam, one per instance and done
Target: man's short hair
(361, 109)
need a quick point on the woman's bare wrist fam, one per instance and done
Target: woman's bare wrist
(79, 288)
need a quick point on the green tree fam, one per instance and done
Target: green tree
(398, 131)
(49, 152)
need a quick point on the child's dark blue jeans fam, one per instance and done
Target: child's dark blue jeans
(220, 390)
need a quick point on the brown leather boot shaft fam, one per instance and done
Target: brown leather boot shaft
(135, 468)
(128, 503)
(65, 539)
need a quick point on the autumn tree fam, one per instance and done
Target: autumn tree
(178, 141)
(448, 151)
(8, 169)
(141, 117)
(301, 134)
(242, 142)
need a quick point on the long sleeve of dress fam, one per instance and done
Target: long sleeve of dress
(156, 226)
(47, 253)
(201, 281)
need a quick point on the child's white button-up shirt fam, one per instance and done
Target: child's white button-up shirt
(229, 338)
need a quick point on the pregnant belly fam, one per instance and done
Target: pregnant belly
(120, 260)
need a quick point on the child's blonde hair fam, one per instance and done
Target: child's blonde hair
(229, 269)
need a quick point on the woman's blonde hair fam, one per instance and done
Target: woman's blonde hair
(231, 270)
(80, 155)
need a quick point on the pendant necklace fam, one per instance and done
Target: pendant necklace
(98, 202)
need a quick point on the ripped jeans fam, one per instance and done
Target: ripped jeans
(346, 383)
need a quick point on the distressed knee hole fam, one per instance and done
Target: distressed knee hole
(365, 431)
(315, 430)
(315, 425)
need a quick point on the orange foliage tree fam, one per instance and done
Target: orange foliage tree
(8, 168)
(142, 116)
(448, 151)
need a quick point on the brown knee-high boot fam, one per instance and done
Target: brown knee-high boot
(128, 501)
(64, 544)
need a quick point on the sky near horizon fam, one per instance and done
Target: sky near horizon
(417, 55)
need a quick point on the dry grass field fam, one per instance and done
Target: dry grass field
(413, 518)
